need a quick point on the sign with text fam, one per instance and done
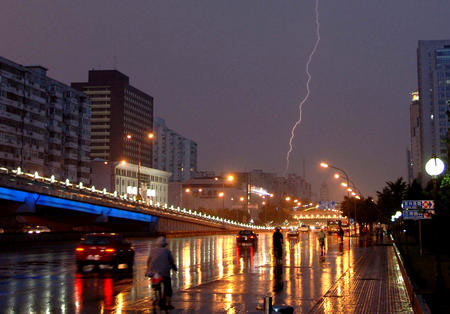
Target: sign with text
(417, 214)
(418, 204)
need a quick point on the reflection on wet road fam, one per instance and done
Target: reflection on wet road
(43, 279)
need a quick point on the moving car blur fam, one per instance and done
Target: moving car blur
(247, 238)
(35, 229)
(104, 249)
(303, 228)
(293, 232)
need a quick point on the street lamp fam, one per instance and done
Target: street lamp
(130, 137)
(326, 165)
(345, 184)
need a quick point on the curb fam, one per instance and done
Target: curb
(418, 304)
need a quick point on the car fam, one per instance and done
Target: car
(246, 238)
(104, 249)
(35, 229)
(303, 228)
(293, 232)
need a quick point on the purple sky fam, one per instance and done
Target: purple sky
(230, 74)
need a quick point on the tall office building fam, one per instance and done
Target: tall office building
(118, 110)
(44, 124)
(434, 98)
(174, 153)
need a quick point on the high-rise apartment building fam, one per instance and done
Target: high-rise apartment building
(434, 98)
(174, 153)
(44, 124)
(415, 152)
(118, 110)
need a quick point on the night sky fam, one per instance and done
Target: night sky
(230, 74)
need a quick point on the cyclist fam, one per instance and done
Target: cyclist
(160, 262)
(277, 244)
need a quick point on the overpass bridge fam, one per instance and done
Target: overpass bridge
(30, 198)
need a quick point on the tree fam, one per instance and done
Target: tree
(390, 199)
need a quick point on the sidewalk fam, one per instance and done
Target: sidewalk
(358, 279)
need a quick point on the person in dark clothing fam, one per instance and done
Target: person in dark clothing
(160, 261)
(278, 243)
(341, 233)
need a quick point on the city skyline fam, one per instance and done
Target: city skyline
(233, 85)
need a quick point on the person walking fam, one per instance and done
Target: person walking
(321, 237)
(160, 261)
(277, 244)
(341, 233)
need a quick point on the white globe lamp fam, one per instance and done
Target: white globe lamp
(434, 166)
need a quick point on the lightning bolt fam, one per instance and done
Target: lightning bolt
(311, 55)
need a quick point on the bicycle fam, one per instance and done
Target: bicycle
(158, 297)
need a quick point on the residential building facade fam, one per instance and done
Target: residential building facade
(434, 99)
(44, 124)
(174, 153)
(122, 118)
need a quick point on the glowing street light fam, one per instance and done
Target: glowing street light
(434, 166)
(221, 194)
(344, 184)
(337, 176)
(287, 198)
(324, 165)
(187, 190)
(230, 178)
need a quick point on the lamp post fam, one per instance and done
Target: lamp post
(347, 184)
(434, 167)
(129, 137)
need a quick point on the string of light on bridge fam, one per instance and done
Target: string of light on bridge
(104, 192)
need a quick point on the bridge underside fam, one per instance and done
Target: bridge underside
(19, 208)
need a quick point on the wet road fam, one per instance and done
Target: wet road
(43, 279)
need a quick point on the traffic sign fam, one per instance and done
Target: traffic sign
(418, 204)
(417, 214)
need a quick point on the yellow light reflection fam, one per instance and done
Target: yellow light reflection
(187, 264)
(229, 300)
(287, 253)
(119, 302)
(198, 261)
(219, 257)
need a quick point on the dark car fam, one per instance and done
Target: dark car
(247, 237)
(104, 249)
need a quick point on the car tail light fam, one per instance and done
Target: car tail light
(79, 249)
(110, 250)
(251, 237)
